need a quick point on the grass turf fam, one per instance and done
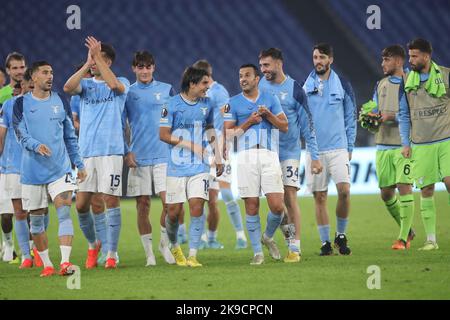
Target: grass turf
(226, 273)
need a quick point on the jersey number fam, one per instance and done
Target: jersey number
(291, 173)
(206, 185)
(406, 169)
(115, 180)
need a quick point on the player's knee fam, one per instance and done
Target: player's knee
(20, 215)
(251, 207)
(112, 201)
(427, 191)
(404, 189)
(172, 213)
(387, 195)
(97, 204)
(196, 209)
(82, 206)
(143, 204)
(320, 197)
(37, 224)
(344, 194)
(277, 209)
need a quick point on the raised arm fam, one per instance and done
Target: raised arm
(105, 71)
(73, 84)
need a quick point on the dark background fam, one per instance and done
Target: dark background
(228, 33)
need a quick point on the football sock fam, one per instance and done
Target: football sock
(195, 231)
(87, 227)
(114, 223)
(254, 232)
(428, 213)
(146, 240)
(233, 210)
(22, 233)
(273, 221)
(393, 206)
(406, 215)
(341, 225)
(324, 232)
(100, 230)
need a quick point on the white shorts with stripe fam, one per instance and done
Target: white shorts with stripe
(336, 166)
(258, 171)
(35, 196)
(104, 175)
(141, 180)
(10, 186)
(180, 189)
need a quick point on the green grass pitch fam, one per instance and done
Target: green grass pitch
(226, 273)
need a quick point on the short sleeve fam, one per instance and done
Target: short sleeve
(276, 108)
(230, 113)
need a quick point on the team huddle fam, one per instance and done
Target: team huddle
(177, 146)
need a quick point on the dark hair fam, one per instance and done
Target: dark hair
(395, 50)
(324, 48)
(35, 66)
(27, 75)
(251, 65)
(142, 57)
(203, 65)
(109, 51)
(13, 56)
(274, 53)
(191, 75)
(421, 45)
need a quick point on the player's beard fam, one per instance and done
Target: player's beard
(418, 67)
(18, 78)
(324, 70)
(270, 76)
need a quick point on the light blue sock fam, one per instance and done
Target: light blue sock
(341, 225)
(65, 226)
(324, 232)
(22, 234)
(172, 230)
(87, 226)
(254, 232)
(114, 219)
(195, 231)
(46, 221)
(233, 210)
(273, 221)
(100, 230)
(181, 229)
(212, 235)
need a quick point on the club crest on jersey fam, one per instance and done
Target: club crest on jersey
(158, 95)
(164, 112)
(283, 95)
(55, 109)
(204, 110)
(227, 108)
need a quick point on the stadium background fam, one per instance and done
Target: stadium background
(228, 34)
